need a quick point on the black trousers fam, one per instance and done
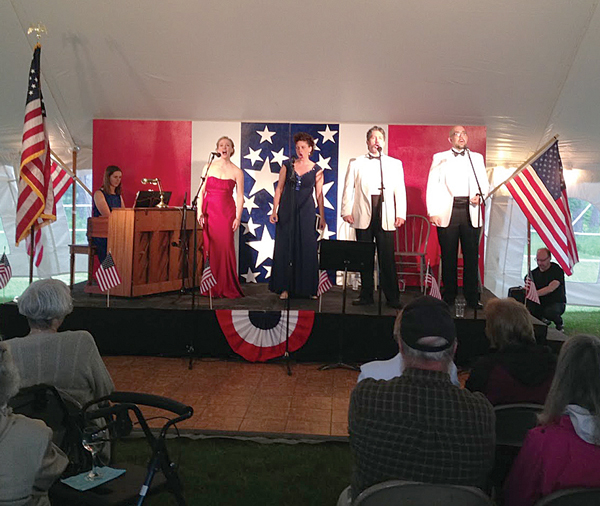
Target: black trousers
(552, 311)
(460, 229)
(384, 242)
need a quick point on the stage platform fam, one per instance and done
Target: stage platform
(166, 325)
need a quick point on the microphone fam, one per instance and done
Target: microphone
(379, 148)
(216, 153)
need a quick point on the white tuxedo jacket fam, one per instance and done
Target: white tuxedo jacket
(439, 196)
(363, 179)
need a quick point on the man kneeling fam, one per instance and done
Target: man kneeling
(419, 426)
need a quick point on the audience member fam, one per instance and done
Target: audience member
(29, 461)
(564, 451)
(388, 369)
(419, 426)
(519, 370)
(67, 360)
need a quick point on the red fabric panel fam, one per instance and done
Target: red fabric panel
(141, 149)
(415, 145)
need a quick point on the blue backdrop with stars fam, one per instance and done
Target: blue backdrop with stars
(265, 147)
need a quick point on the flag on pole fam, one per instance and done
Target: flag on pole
(38, 247)
(434, 291)
(61, 181)
(541, 193)
(324, 283)
(35, 205)
(107, 274)
(208, 280)
(531, 290)
(5, 271)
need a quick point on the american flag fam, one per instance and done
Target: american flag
(434, 291)
(107, 274)
(541, 193)
(530, 290)
(5, 271)
(61, 181)
(208, 280)
(324, 283)
(38, 247)
(36, 197)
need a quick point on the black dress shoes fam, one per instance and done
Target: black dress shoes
(362, 302)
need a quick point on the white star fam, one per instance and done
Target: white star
(264, 179)
(268, 269)
(316, 146)
(328, 134)
(270, 208)
(279, 157)
(250, 227)
(249, 204)
(250, 277)
(323, 234)
(253, 156)
(265, 135)
(324, 162)
(264, 247)
(326, 188)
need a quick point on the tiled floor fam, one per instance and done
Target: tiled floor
(244, 397)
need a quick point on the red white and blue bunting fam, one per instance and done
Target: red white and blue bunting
(259, 336)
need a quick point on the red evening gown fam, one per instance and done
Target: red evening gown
(218, 208)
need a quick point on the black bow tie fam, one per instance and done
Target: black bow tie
(461, 153)
(371, 157)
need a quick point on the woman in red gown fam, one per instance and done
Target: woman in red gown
(220, 218)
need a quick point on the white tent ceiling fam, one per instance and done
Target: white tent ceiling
(525, 69)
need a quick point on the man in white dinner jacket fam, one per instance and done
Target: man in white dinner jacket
(456, 187)
(373, 219)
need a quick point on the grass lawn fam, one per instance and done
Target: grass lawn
(230, 472)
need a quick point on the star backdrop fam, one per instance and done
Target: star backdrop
(264, 149)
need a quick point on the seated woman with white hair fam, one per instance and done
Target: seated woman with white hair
(67, 360)
(29, 461)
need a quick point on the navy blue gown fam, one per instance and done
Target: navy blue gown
(113, 201)
(296, 232)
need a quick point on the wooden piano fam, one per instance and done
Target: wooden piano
(146, 247)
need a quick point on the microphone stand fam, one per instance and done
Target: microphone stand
(381, 208)
(479, 204)
(190, 346)
(183, 244)
(291, 178)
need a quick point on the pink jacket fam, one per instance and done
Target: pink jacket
(552, 458)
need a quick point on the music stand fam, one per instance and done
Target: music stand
(347, 256)
(353, 256)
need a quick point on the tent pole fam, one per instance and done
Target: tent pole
(73, 206)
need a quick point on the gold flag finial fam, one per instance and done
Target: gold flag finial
(38, 29)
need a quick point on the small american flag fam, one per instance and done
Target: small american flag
(324, 283)
(531, 291)
(107, 274)
(434, 291)
(5, 271)
(208, 280)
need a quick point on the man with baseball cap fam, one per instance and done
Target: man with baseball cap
(419, 426)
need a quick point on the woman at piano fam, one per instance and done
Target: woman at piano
(220, 216)
(107, 198)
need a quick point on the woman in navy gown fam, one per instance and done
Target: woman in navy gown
(294, 214)
(220, 218)
(107, 198)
